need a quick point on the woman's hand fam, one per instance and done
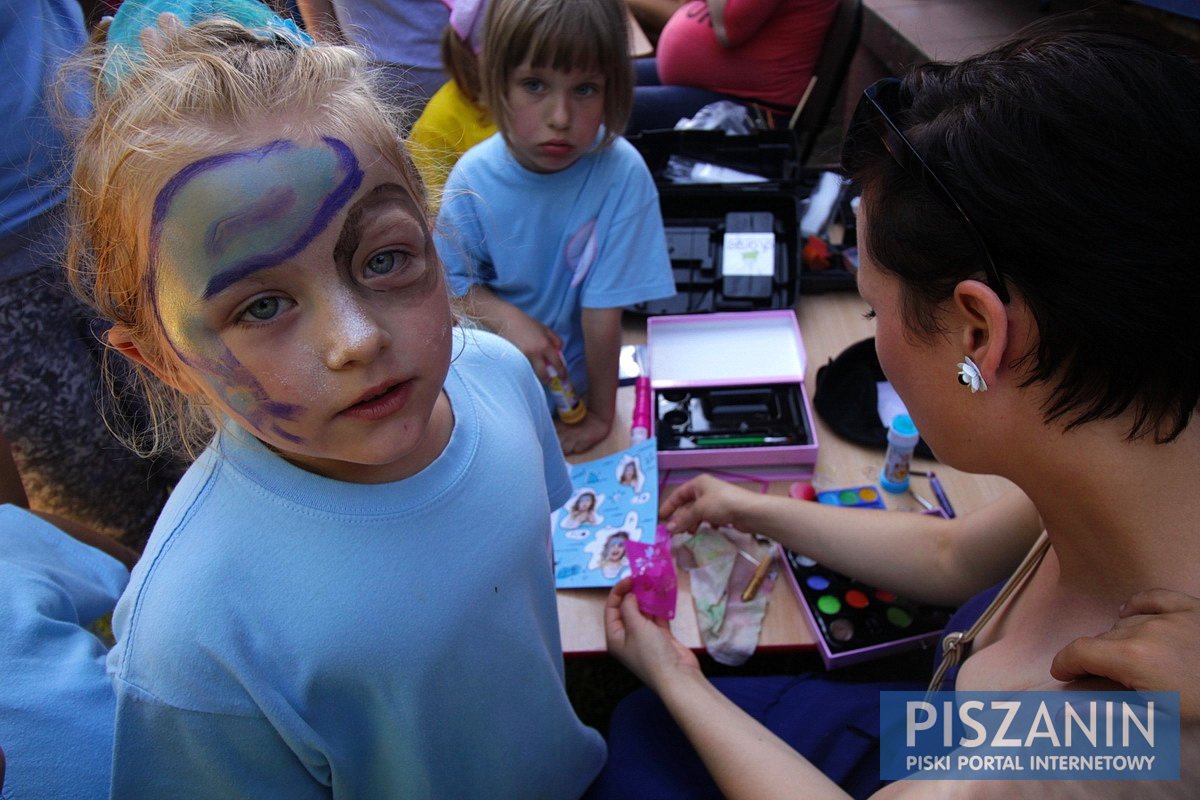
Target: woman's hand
(643, 644)
(705, 499)
(1154, 646)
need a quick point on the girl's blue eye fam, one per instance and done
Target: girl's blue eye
(382, 263)
(587, 90)
(263, 309)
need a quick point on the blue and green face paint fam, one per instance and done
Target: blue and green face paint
(224, 218)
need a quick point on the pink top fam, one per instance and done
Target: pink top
(773, 48)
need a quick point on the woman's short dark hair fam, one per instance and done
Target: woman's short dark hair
(1076, 152)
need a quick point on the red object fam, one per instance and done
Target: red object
(802, 491)
(815, 254)
(856, 599)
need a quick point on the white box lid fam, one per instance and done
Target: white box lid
(734, 348)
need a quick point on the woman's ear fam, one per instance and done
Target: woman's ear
(982, 327)
(121, 340)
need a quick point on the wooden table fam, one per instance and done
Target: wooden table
(829, 323)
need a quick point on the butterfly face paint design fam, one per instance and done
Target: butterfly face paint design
(219, 221)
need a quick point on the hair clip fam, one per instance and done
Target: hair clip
(466, 20)
(969, 375)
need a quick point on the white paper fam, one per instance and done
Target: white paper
(751, 253)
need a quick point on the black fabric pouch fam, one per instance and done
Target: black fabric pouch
(846, 397)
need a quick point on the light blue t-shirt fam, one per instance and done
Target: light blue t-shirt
(552, 244)
(288, 635)
(56, 702)
(36, 36)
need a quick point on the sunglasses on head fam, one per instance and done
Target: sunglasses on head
(875, 118)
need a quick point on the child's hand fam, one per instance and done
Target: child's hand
(704, 499)
(643, 644)
(1154, 646)
(540, 344)
(583, 435)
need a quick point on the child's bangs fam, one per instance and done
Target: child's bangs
(566, 44)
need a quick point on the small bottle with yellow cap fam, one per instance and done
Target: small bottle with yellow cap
(570, 407)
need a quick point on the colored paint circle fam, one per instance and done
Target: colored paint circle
(856, 599)
(847, 497)
(884, 596)
(868, 494)
(899, 617)
(817, 583)
(805, 561)
(828, 604)
(841, 630)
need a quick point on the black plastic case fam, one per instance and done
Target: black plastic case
(697, 217)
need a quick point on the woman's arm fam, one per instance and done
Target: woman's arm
(320, 21)
(918, 556)
(745, 759)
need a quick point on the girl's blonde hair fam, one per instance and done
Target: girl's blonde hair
(198, 90)
(563, 35)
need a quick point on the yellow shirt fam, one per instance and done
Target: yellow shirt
(449, 126)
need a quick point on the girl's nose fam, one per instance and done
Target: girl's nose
(559, 112)
(352, 334)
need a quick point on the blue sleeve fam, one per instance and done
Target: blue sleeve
(633, 265)
(558, 476)
(160, 750)
(56, 703)
(86, 580)
(458, 235)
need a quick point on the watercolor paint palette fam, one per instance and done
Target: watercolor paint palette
(853, 621)
(852, 497)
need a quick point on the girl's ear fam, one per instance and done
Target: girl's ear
(121, 340)
(982, 327)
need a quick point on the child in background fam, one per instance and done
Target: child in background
(552, 226)
(454, 119)
(310, 617)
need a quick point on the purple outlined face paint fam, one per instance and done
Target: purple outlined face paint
(224, 218)
(297, 284)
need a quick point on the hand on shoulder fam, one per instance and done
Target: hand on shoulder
(1154, 646)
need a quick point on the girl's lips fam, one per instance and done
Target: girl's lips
(555, 148)
(389, 401)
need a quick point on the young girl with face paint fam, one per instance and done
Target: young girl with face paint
(550, 227)
(311, 616)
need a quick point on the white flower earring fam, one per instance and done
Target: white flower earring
(969, 375)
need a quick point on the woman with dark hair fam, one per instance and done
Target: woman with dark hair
(1028, 235)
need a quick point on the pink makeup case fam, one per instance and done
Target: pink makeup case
(728, 394)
